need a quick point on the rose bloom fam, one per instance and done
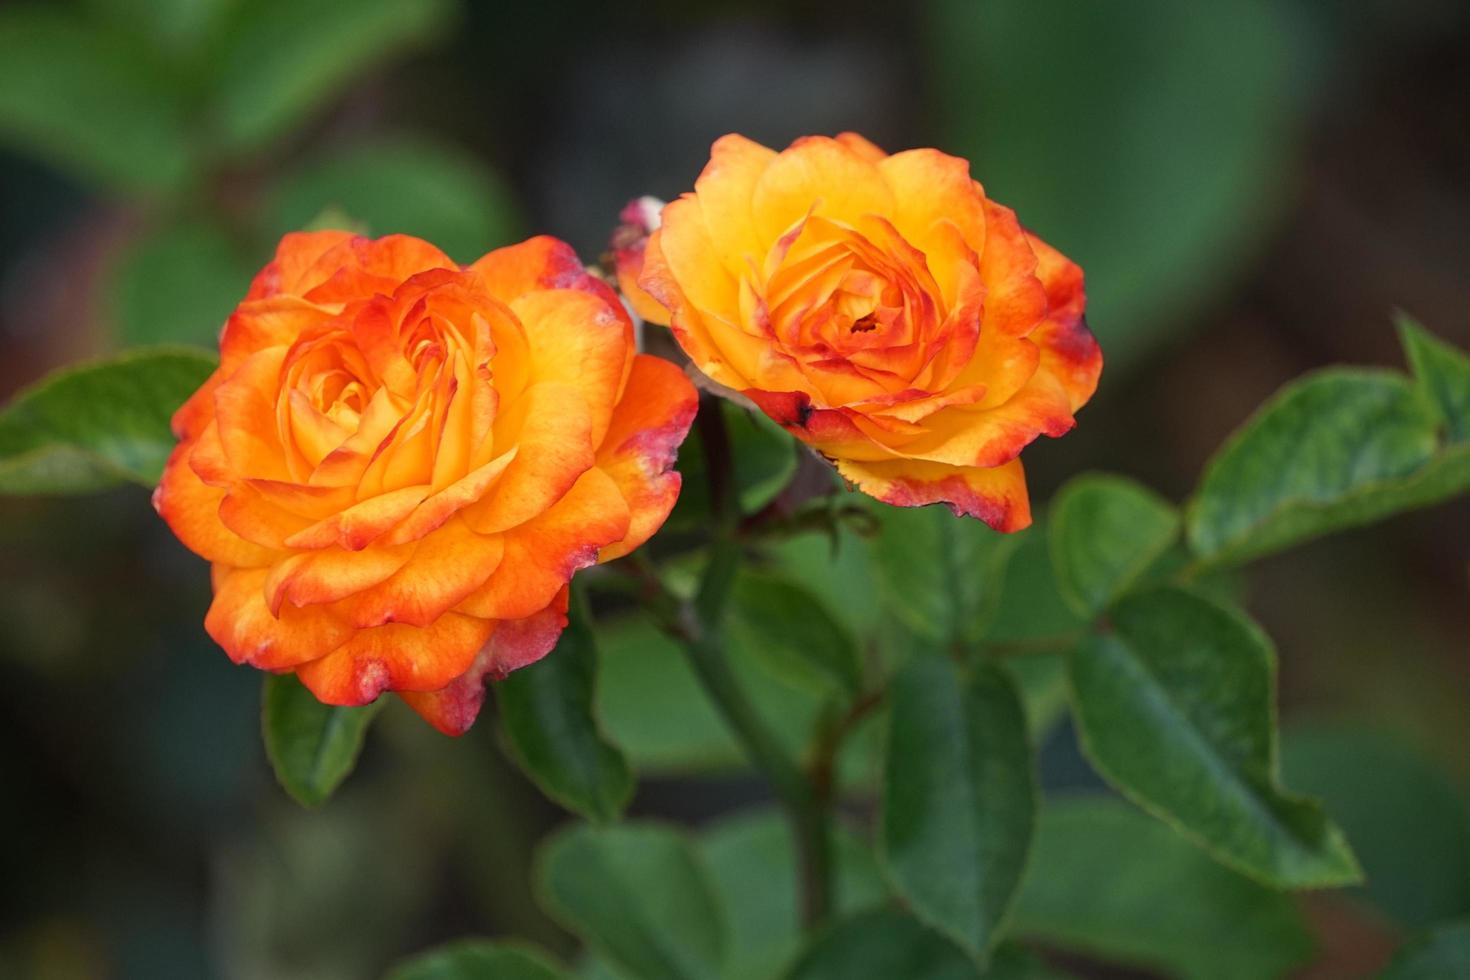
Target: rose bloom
(399, 463)
(880, 308)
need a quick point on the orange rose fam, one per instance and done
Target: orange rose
(400, 463)
(881, 309)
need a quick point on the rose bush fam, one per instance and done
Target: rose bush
(880, 308)
(399, 463)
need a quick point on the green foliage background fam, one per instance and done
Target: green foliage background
(1252, 188)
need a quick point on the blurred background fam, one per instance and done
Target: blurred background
(1252, 188)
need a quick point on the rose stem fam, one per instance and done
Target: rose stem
(698, 627)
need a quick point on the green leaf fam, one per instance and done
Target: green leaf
(404, 186)
(839, 573)
(1175, 705)
(653, 706)
(547, 713)
(1442, 954)
(1105, 532)
(182, 28)
(285, 59)
(765, 459)
(882, 945)
(178, 285)
(1409, 823)
(90, 99)
(95, 425)
(1107, 880)
(1032, 609)
(638, 894)
(792, 634)
(753, 867)
(1041, 680)
(478, 959)
(1197, 130)
(1443, 373)
(1337, 449)
(959, 797)
(312, 746)
(940, 573)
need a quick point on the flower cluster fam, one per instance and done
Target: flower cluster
(400, 462)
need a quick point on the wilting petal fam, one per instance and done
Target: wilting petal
(515, 643)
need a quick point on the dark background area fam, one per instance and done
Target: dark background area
(1252, 188)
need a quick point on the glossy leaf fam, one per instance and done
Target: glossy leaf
(1334, 450)
(404, 186)
(1175, 705)
(478, 959)
(91, 99)
(178, 285)
(753, 866)
(1408, 821)
(98, 424)
(882, 945)
(793, 634)
(959, 797)
(312, 746)
(1107, 880)
(1105, 532)
(638, 895)
(547, 713)
(940, 574)
(285, 60)
(1442, 954)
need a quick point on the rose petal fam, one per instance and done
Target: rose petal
(542, 554)
(642, 442)
(396, 657)
(514, 644)
(240, 622)
(996, 496)
(191, 509)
